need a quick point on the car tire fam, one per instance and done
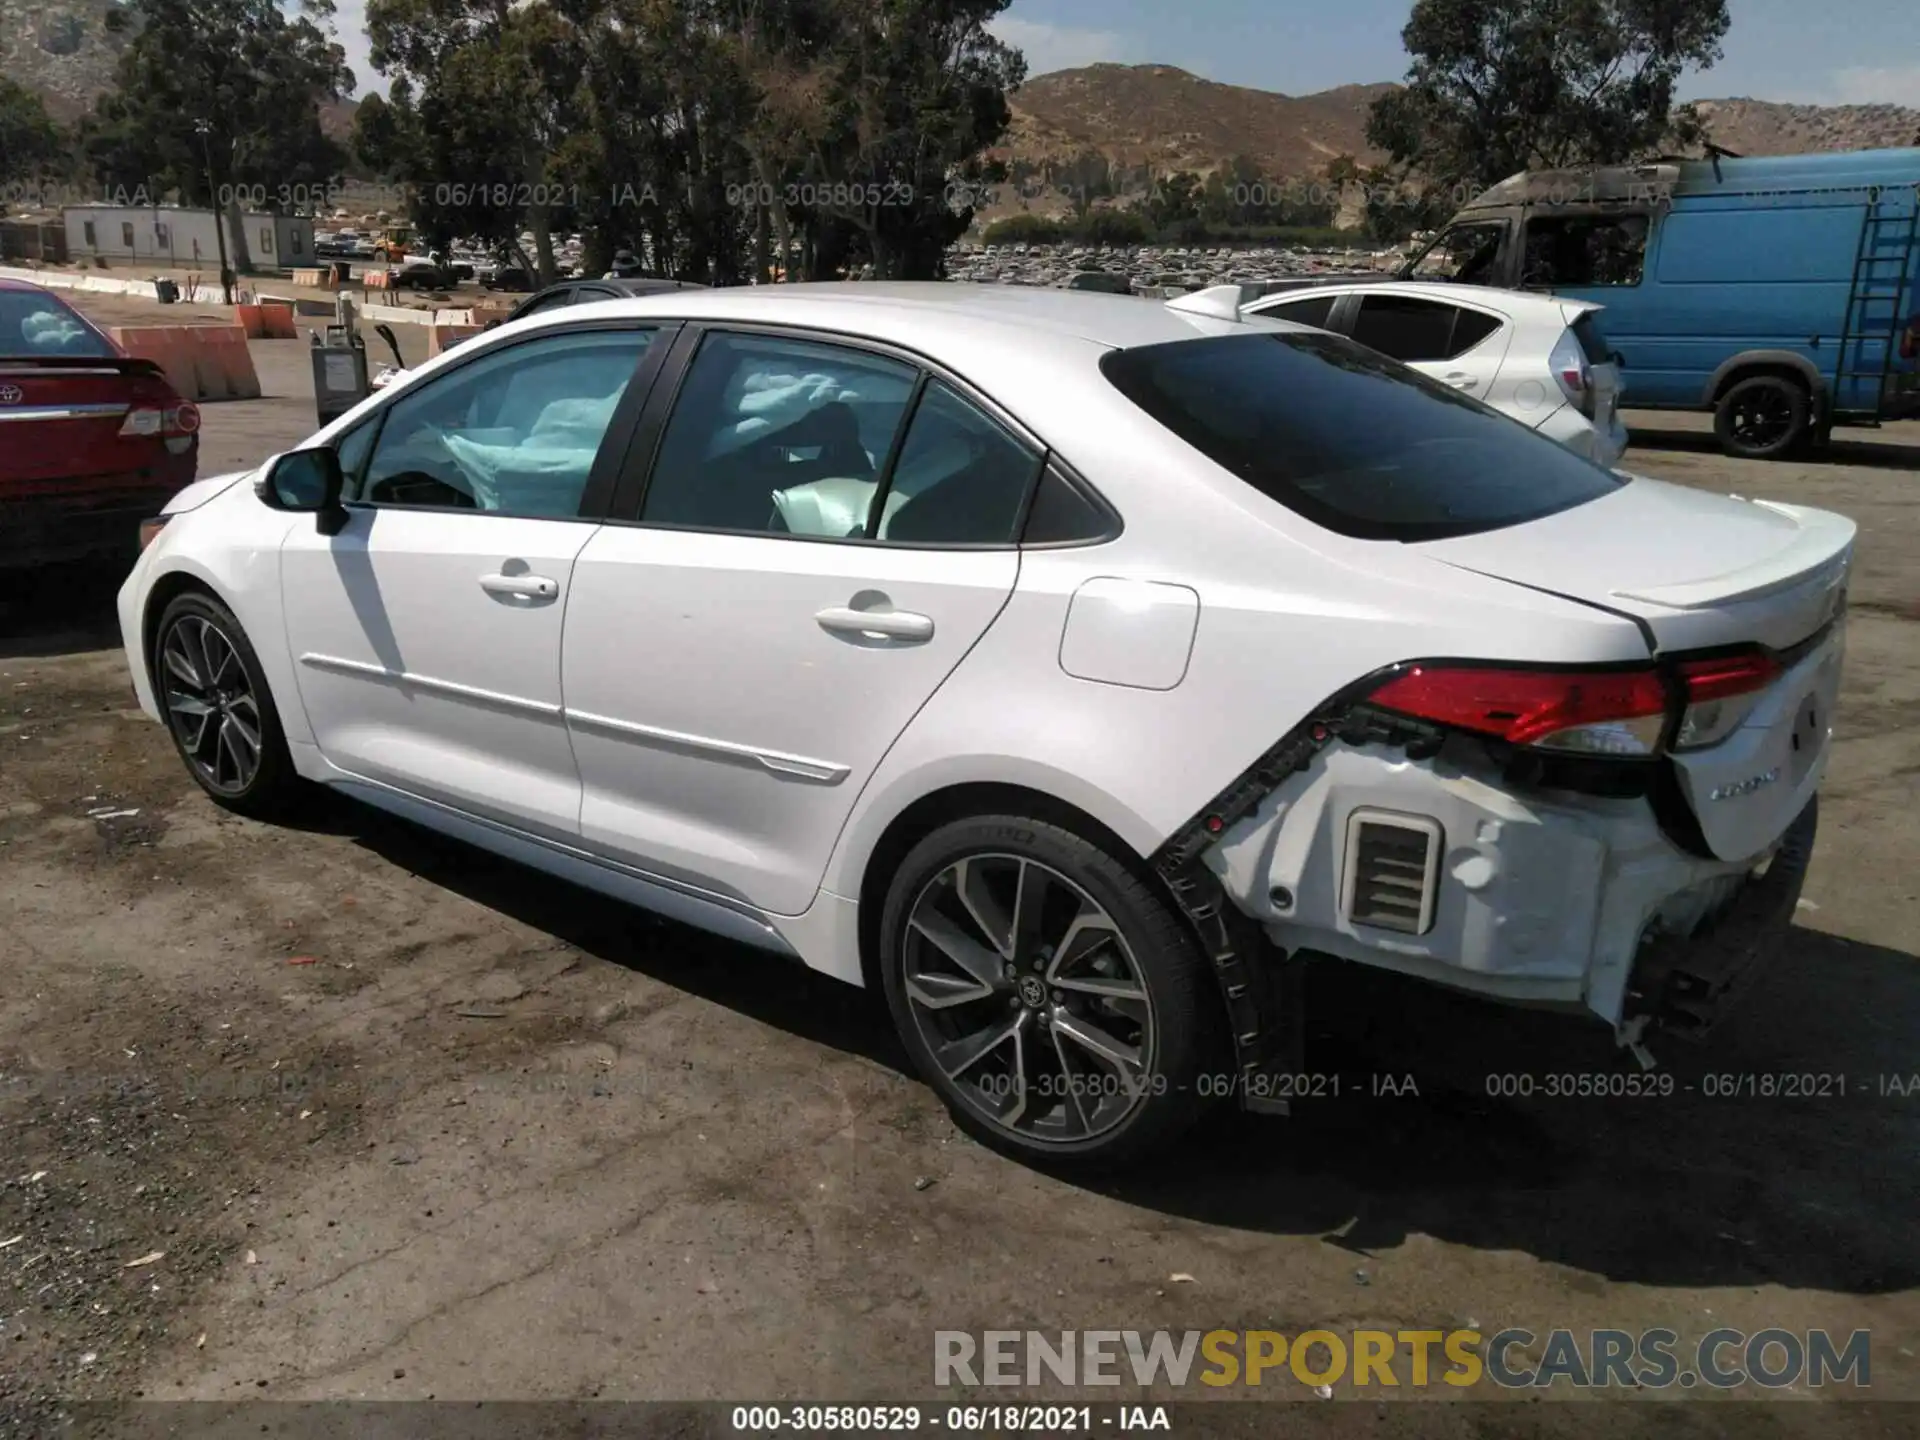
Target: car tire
(1097, 966)
(1764, 417)
(213, 695)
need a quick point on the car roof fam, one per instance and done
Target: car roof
(911, 312)
(1513, 302)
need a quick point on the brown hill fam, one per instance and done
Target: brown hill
(1155, 118)
(1136, 122)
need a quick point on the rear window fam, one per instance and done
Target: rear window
(1353, 441)
(33, 323)
(1593, 343)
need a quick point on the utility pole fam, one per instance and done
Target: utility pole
(204, 129)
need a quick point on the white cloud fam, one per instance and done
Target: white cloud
(1877, 85)
(1064, 47)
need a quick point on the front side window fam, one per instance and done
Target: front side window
(778, 436)
(1464, 254)
(1412, 330)
(513, 433)
(33, 322)
(1584, 250)
(541, 304)
(1352, 441)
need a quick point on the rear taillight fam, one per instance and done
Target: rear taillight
(174, 420)
(1719, 695)
(1586, 712)
(1621, 712)
(1568, 361)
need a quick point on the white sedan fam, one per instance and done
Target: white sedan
(1541, 360)
(1070, 666)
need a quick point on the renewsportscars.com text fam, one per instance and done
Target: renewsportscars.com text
(1512, 1358)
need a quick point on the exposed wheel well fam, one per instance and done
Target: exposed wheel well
(165, 591)
(1758, 368)
(930, 812)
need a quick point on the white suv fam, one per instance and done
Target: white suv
(1541, 360)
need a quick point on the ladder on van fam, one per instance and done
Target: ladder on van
(1877, 301)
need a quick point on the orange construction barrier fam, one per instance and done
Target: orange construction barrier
(377, 279)
(203, 362)
(441, 338)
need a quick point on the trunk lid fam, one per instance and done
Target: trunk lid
(1699, 571)
(60, 420)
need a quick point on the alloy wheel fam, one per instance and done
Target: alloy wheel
(210, 703)
(1762, 418)
(1028, 999)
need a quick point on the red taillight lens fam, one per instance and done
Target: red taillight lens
(1720, 694)
(1593, 712)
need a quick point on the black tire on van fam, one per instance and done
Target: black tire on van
(1764, 417)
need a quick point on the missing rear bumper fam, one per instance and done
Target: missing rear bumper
(1685, 983)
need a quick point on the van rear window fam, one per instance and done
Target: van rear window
(1351, 440)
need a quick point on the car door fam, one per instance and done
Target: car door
(1458, 345)
(426, 633)
(824, 534)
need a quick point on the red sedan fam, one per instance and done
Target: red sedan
(92, 441)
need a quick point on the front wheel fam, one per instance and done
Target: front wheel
(1055, 1000)
(213, 692)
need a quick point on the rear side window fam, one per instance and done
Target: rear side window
(1315, 312)
(1352, 441)
(34, 323)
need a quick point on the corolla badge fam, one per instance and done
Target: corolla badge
(11, 394)
(1745, 787)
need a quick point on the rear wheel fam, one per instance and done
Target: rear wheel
(213, 692)
(1763, 417)
(1056, 1001)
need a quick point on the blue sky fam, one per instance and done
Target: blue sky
(1837, 52)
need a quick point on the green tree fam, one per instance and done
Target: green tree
(32, 146)
(231, 86)
(1501, 86)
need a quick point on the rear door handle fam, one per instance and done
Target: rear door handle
(527, 587)
(892, 624)
(1461, 380)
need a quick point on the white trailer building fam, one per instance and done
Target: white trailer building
(169, 235)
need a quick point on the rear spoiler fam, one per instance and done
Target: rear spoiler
(108, 364)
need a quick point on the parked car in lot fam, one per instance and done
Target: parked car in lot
(1071, 667)
(1541, 360)
(92, 442)
(1767, 290)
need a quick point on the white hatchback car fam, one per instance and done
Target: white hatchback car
(1068, 665)
(1539, 359)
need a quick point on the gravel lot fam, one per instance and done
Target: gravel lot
(404, 1121)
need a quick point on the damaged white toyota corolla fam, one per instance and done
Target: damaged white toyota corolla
(1066, 665)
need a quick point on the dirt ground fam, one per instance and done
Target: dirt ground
(349, 1111)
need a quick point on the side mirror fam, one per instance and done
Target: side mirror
(306, 482)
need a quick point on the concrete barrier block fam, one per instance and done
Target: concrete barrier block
(442, 338)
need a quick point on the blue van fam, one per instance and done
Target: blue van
(1772, 291)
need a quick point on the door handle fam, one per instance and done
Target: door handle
(1461, 380)
(892, 624)
(526, 587)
